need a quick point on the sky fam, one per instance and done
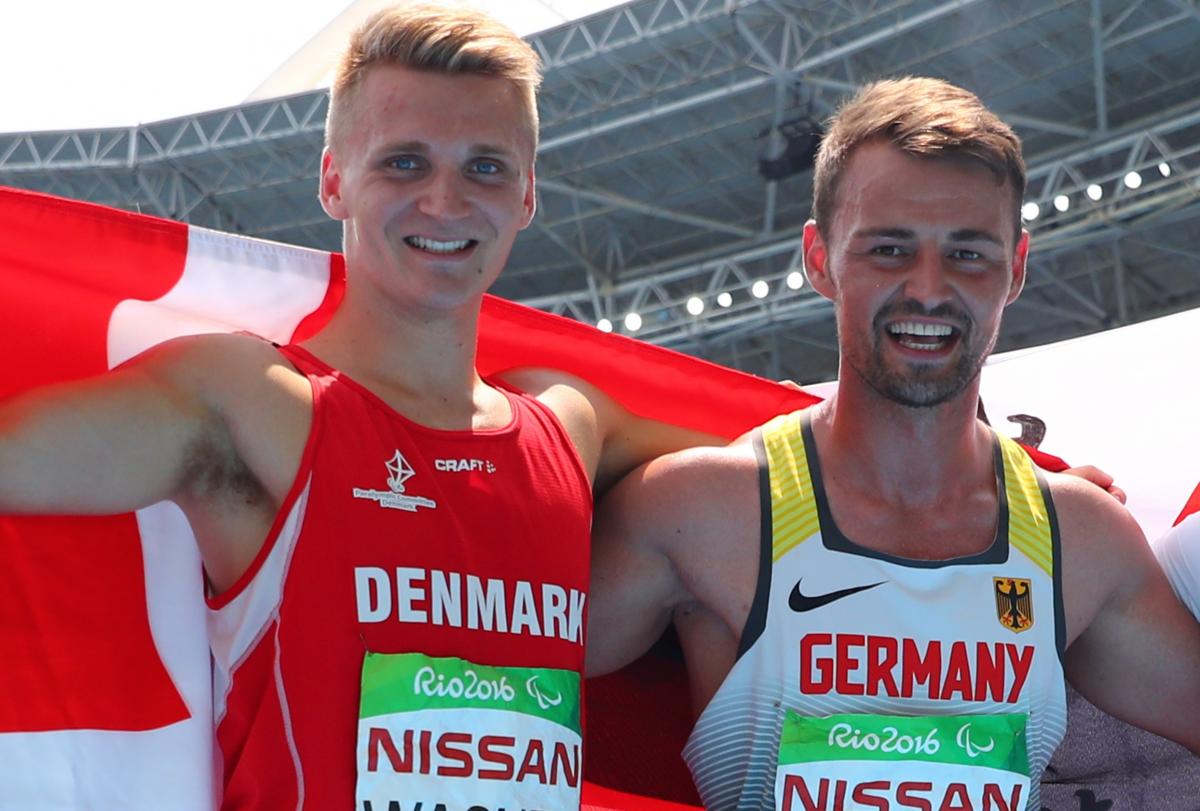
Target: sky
(81, 64)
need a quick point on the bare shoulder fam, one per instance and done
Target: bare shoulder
(578, 403)
(690, 496)
(1105, 556)
(260, 406)
(1092, 522)
(537, 381)
(218, 364)
(705, 469)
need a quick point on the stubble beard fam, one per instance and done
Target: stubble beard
(917, 385)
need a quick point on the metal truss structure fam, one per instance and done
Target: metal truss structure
(656, 114)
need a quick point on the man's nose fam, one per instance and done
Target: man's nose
(444, 196)
(928, 279)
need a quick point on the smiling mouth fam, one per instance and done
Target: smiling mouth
(440, 247)
(923, 337)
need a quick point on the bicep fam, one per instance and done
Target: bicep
(104, 445)
(634, 584)
(611, 439)
(1139, 656)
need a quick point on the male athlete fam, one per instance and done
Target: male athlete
(878, 598)
(397, 550)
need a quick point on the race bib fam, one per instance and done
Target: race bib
(955, 762)
(445, 734)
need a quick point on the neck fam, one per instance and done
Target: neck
(915, 456)
(419, 360)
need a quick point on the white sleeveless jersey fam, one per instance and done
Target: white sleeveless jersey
(870, 681)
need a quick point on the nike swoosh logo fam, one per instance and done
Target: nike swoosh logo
(800, 602)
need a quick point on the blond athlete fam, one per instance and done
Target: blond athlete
(385, 629)
(878, 599)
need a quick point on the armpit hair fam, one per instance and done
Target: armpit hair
(213, 471)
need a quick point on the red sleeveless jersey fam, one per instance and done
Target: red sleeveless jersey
(399, 539)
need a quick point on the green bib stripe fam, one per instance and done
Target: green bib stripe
(408, 682)
(999, 740)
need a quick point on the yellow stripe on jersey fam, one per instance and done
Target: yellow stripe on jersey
(1028, 519)
(793, 504)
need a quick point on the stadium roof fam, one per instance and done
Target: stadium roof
(657, 116)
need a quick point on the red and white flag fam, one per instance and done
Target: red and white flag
(106, 682)
(105, 674)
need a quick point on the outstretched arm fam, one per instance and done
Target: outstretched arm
(611, 440)
(1136, 650)
(105, 445)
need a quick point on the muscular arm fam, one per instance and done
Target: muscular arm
(105, 445)
(677, 535)
(208, 422)
(634, 584)
(1135, 650)
(611, 440)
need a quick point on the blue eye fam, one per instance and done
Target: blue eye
(967, 255)
(403, 162)
(888, 250)
(486, 167)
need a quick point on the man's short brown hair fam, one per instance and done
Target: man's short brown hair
(441, 39)
(926, 118)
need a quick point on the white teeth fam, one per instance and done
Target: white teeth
(923, 347)
(914, 328)
(433, 246)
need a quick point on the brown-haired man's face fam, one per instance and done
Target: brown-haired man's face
(920, 262)
(433, 176)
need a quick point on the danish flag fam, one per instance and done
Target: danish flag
(105, 676)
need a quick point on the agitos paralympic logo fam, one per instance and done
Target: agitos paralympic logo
(396, 497)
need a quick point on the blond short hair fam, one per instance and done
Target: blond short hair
(441, 39)
(926, 118)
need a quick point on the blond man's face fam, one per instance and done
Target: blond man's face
(432, 175)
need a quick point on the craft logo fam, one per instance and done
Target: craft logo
(395, 498)
(464, 465)
(1014, 603)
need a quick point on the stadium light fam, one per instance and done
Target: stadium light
(1095, 192)
(1164, 169)
(1062, 203)
(795, 280)
(633, 322)
(604, 325)
(1030, 211)
(760, 289)
(695, 305)
(724, 299)
(1133, 180)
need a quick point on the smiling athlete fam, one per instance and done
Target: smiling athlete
(878, 598)
(397, 550)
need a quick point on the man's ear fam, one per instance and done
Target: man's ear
(816, 261)
(1020, 258)
(330, 190)
(530, 197)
